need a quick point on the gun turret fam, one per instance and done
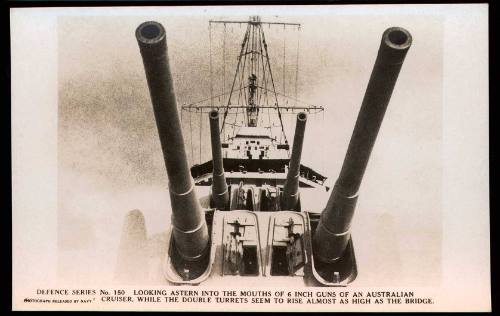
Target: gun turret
(190, 231)
(220, 193)
(333, 232)
(290, 195)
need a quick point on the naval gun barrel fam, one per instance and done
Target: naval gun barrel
(220, 193)
(190, 231)
(333, 232)
(290, 196)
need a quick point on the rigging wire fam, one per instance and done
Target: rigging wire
(284, 58)
(242, 87)
(224, 60)
(182, 121)
(294, 99)
(274, 87)
(284, 68)
(201, 129)
(323, 128)
(265, 81)
(297, 66)
(223, 74)
(235, 76)
(191, 137)
(193, 105)
(261, 63)
(243, 90)
(211, 69)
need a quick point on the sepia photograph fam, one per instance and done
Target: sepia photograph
(250, 158)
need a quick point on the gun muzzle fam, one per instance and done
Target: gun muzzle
(290, 196)
(220, 193)
(190, 229)
(333, 231)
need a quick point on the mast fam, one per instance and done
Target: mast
(252, 91)
(256, 68)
